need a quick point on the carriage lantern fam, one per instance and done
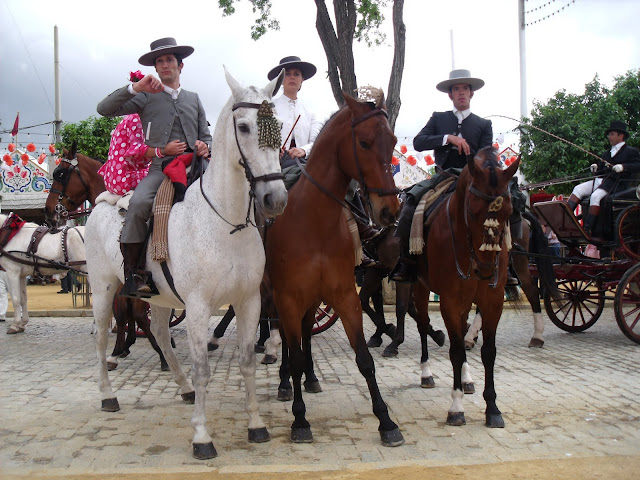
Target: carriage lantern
(31, 147)
(12, 147)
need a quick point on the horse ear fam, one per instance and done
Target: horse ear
(232, 82)
(74, 149)
(274, 85)
(471, 164)
(351, 102)
(513, 168)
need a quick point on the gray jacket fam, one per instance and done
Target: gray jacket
(157, 113)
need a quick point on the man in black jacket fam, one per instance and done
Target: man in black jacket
(452, 135)
(620, 162)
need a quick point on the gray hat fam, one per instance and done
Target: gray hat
(460, 76)
(308, 69)
(163, 47)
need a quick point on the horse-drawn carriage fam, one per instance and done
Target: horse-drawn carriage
(586, 283)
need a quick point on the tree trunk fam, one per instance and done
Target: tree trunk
(330, 44)
(395, 79)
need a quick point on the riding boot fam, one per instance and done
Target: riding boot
(590, 219)
(573, 202)
(366, 232)
(134, 284)
(405, 269)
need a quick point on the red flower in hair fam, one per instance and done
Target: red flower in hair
(136, 76)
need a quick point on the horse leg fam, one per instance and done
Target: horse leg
(102, 310)
(438, 336)
(311, 383)
(218, 332)
(472, 334)
(131, 326)
(488, 352)
(372, 282)
(160, 331)
(531, 291)
(263, 335)
(403, 299)
(420, 313)
(351, 317)
(140, 315)
(248, 316)
(285, 390)
(271, 341)
(118, 348)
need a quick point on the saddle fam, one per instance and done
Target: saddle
(426, 206)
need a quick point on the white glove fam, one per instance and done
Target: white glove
(593, 167)
(618, 168)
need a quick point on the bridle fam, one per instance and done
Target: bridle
(475, 263)
(365, 189)
(251, 178)
(62, 175)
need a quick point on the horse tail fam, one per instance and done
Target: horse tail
(539, 245)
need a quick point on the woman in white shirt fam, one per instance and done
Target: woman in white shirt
(289, 108)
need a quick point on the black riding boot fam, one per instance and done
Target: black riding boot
(405, 269)
(366, 232)
(134, 281)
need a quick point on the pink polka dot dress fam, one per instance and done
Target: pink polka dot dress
(126, 164)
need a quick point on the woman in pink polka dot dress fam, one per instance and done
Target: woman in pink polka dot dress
(127, 163)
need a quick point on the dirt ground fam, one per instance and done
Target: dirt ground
(609, 468)
(45, 297)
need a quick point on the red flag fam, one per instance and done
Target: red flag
(14, 132)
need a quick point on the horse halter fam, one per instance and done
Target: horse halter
(490, 241)
(267, 129)
(62, 175)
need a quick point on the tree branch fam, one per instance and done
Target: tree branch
(397, 68)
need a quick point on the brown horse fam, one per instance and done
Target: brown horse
(310, 253)
(75, 181)
(465, 261)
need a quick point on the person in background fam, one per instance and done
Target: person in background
(4, 295)
(619, 162)
(288, 108)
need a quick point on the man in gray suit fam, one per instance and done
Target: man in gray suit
(174, 122)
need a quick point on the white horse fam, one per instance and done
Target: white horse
(65, 247)
(210, 265)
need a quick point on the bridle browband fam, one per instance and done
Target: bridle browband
(252, 179)
(363, 183)
(60, 209)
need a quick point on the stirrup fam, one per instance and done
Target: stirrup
(139, 284)
(404, 271)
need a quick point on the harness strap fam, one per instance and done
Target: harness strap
(169, 278)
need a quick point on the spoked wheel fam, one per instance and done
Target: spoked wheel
(176, 318)
(628, 231)
(627, 303)
(578, 306)
(325, 318)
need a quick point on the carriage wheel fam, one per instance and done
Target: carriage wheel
(628, 231)
(175, 319)
(325, 318)
(627, 303)
(578, 306)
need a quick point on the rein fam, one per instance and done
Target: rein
(60, 209)
(253, 180)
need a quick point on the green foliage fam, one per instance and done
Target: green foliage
(581, 120)
(93, 136)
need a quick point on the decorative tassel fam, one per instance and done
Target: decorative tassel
(269, 134)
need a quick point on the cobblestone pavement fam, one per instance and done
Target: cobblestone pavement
(574, 398)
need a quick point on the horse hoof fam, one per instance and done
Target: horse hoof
(258, 348)
(259, 435)
(164, 367)
(374, 342)
(285, 394)
(439, 337)
(269, 359)
(390, 352)
(469, 345)
(211, 347)
(124, 354)
(189, 398)
(468, 388)
(312, 387)
(392, 438)
(494, 421)
(301, 435)
(204, 451)
(427, 382)
(12, 330)
(110, 405)
(111, 366)
(536, 343)
(456, 419)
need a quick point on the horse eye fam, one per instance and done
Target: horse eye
(244, 128)
(365, 145)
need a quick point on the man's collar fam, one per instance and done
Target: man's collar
(465, 113)
(173, 92)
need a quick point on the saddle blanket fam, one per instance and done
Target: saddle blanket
(10, 228)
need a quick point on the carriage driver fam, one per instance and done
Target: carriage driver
(174, 122)
(452, 135)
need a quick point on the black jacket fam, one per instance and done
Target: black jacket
(628, 156)
(476, 130)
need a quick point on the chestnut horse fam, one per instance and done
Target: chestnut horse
(465, 261)
(310, 252)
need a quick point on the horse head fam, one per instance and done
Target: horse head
(256, 140)
(366, 156)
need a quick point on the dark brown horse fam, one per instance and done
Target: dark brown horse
(75, 181)
(310, 253)
(465, 261)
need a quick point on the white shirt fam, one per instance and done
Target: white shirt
(616, 148)
(307, 128)
(174, 93)
(460, 115)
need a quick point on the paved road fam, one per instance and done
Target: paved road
(575, 398)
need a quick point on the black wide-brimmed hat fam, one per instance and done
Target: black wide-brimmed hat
(308, 69)
(163, 47)
(618, 126)
(460, 76)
